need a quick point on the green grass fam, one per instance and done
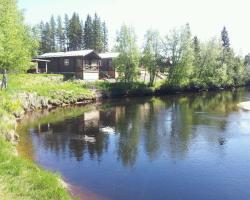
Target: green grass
(45, 85)
(21, 179)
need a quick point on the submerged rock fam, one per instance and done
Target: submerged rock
(245, 105)
(107, 130)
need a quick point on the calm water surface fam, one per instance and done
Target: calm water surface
(193, 146)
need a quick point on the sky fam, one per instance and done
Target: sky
(206, 17)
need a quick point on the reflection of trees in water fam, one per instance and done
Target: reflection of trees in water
(165, 124)
(128, 125)
(68, 137)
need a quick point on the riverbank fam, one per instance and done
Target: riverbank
(21, 178)
(36, 92)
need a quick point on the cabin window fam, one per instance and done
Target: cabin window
(66, 62)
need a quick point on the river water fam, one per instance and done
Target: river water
(191, 146)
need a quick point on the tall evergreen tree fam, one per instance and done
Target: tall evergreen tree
(47, 37)
(66, 31)
(42, 44)
(225, 38)
(60, 34)
(105, 37)
(53, 34)
(75, 33)
(88, 33)
(97, 34)
(197, 51)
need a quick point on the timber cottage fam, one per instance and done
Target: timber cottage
(85, 64)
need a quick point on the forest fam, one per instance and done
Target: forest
(71, 34)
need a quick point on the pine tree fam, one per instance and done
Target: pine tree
(88, 33)
(97, 34)
(225, 39)
(60, 34)
(66, 31)
(197, 51)
(53, 34)
(47, 33)
(75, 33)
(41, 38)
(105, 37)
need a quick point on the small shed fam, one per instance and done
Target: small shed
(37, 69)
(107, 69)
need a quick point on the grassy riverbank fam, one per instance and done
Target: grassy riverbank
(21, 179)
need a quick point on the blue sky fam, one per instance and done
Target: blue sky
(206, 17)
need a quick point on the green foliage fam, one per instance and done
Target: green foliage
(127, 63)
(17, 45)
(151, 58)
(195, 64)
(60, 34)
(105, 37)
(225, 38)
(124, 89)
(75, 33)
(179, 48)
(88, 33)
(97, 34)
(53, 34)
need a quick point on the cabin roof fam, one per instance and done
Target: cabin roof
(108, 55)
(82, 53)
(39, 60)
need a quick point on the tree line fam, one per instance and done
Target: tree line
(71, 34)
(187, 61)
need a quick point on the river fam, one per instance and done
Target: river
(186, 146)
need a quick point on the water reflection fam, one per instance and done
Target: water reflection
(159, 129)
(172, 122)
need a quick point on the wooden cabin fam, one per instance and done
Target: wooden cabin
(82, 64)
(107, 69)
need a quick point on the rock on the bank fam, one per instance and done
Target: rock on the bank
(12, 137)
(32, 101)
